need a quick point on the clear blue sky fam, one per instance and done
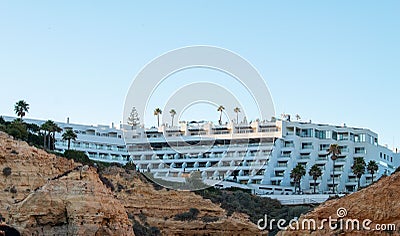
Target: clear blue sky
(330, 61)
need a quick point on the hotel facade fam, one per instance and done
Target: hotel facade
(256, 155)
(259, 155)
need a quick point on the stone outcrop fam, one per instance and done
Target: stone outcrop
(75, 204)
(159, 207)
(49, 195)
(377, 203)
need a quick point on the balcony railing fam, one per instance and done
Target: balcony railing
(285, 155)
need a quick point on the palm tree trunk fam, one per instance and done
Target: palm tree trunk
(44, 140)
(299, 187)
(69, 143)
(333, 171)
(49, 140)
(295, 187)
(372, 177)
(54, 141)
(172, 121)
(237, 117)
(158, 120)
(315, 182)
(358, 183)
(220, 118)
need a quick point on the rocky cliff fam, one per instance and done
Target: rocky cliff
(158, 208)
(377, 206)
(49, 195)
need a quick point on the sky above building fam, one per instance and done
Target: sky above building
(328, 61)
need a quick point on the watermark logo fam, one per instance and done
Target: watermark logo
(341, 212)
(330, 223)
(173, 152)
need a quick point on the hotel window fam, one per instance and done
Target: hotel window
(371, 139)
(334, 135)
(352, 137)
(342, 136)
(306, 133)
(328, 134)
(362, 138)
(360, 150)
(343, 149)
(306, 146)
(320, 134)
(323, 147)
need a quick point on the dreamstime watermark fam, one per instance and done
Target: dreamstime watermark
(330, 223)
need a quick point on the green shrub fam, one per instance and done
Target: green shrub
(130, 166)
(13, 190)
(254, 206)
(18, 130)
(142, 217)
(78, 156)
(7, 171)
(144, 230)
(209, 219)
(187, 216)
(107, 182)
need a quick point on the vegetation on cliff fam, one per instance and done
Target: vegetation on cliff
(254, 206)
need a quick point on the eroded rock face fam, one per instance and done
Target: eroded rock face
(378, 203)
(49, 195)
(159, 208)
(30, 168)
(75, 204)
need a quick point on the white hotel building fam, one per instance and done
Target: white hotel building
(257, 155)
(100, 143)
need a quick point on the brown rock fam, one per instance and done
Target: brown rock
(160, 206)
(378, 203)
(75, 204)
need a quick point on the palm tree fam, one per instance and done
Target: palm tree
(21, 108)
(173, 113)
(296, 175)
(334, 151)
(237, 110)
(358, 168)
(298, 117)
(372, 167)
(52, 128)
(220, 109)
(69, 135)
(55, 129)
(46, 128)
(158, 112)
(315, 172)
